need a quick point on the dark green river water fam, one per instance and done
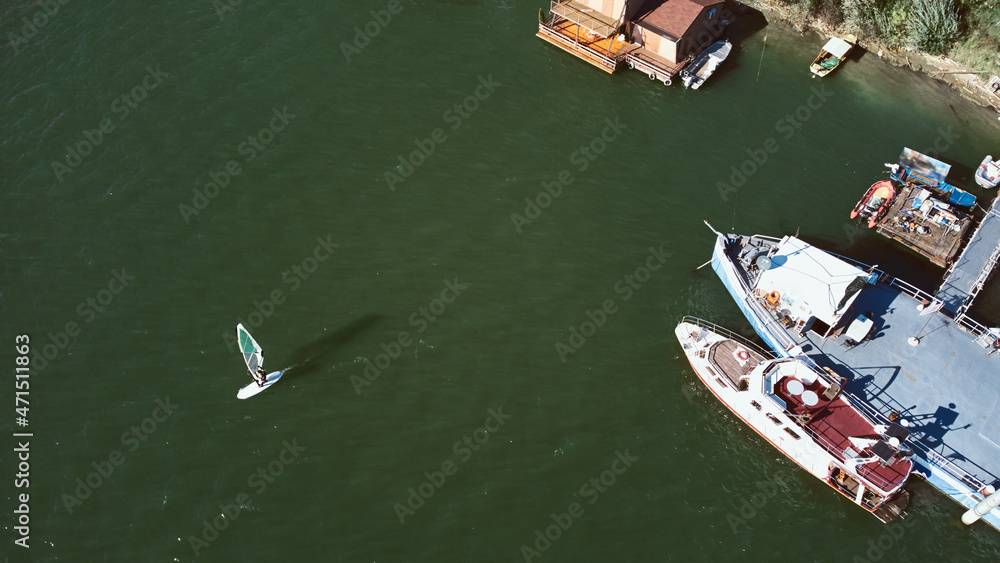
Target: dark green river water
(471, 249)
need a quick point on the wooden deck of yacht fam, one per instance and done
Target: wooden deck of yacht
(723, 356)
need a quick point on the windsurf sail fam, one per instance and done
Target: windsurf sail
(252, 353)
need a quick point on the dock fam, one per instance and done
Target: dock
(585, 33)
(966, 277)
(931, 234)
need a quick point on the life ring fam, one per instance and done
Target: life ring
(773, 297)
(652, 76)
(742, 355)
(631, 64)
(666, 81)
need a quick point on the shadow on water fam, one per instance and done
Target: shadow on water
(309, 357)
(746, 23)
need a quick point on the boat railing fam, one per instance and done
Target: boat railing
(861, 265)
(909, 289)
(926, 452)
(722, 331)
(786, 341)
(970, 325)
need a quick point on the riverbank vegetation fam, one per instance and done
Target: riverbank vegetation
(968, 31)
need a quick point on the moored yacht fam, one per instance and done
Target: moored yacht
(800, 410)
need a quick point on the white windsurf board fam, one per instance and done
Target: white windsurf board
(253, 388)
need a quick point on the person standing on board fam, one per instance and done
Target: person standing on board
(260, 377)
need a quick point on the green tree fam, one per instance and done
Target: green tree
(933, 25)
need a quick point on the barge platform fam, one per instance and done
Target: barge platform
(904, 361)
(936, 234)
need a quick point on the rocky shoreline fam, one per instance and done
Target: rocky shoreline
(969, 86)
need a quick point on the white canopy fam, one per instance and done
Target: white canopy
(837, 47)
(810, 281)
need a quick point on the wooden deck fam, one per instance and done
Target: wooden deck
(655, 66)
(606, 53)
(722, 356)
(940, 246)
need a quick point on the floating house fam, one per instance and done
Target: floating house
(657, 37)
(671, 34)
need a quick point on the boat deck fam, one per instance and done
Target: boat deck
(723, 356)
(940, 246)
(945, 387)
(833, 421)
(977, 261)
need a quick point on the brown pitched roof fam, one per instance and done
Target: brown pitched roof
(676, 16)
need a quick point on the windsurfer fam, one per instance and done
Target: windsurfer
(260, 377)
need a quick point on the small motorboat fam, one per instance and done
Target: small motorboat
(832, 54)
(876, 202)
(988, 173)
(705, 64)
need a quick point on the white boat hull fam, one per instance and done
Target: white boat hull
(751, 391)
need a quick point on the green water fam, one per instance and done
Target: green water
(309, 247)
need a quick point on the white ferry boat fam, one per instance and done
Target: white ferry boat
(800, 410)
